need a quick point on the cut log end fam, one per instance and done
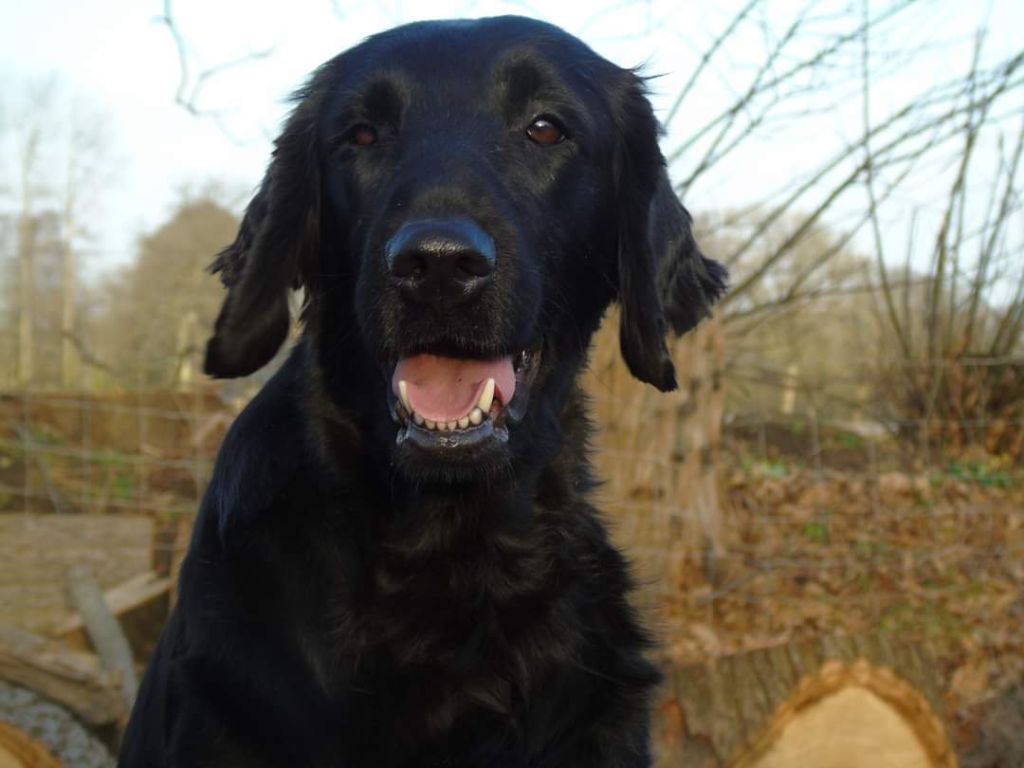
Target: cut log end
(18, 750)
(852, 716)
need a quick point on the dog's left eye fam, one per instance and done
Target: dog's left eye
(545, 131)
(363, 135)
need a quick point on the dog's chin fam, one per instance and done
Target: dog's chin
(463, 436)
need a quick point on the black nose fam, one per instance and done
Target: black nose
(447, 260)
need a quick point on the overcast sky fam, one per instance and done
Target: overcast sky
(114, 56)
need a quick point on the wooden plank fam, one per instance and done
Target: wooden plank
(124, 598)
(103, 628)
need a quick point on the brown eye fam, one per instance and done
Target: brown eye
(363, 135)
(545, 132)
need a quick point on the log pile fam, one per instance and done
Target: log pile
(79, 606)
(74, 680)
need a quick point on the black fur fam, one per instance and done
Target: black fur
(352, 601)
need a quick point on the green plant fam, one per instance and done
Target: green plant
(774, 469)
(986, 474)
(817, 532)
(850, 440)
(921, 620)
(123, 486)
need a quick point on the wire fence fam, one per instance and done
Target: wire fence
(827, 530)
(810, 526)
(112, 480)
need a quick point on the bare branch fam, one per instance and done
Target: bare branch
(869, 182)
(881, 156)
(771, 85)
(190, 87)
(709, 54)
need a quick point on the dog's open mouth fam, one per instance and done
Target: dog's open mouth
(448, 402)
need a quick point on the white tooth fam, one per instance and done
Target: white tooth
(429, 424)
(487, 396)
(452, 425)
(476, 416)
(403, 393)
(464, 422)
(417, 418)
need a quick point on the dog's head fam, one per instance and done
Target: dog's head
(461, 201)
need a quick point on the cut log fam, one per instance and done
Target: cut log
(831, 703)
(17, 750)
(852, 716)
(73, 680)
(990, 731)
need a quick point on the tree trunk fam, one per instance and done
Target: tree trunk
(69, 368)
(26, 295)
(26, 259)
(658, 453)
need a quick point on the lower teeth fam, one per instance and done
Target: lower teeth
(473, 418)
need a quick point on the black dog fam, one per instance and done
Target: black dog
(396, 563)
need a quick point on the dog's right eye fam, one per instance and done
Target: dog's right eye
(363, 135)
(545, 131)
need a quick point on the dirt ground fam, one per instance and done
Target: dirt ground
(935, 558)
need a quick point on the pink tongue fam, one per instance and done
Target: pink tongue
(446, 388)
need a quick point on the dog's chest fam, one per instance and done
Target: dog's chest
(434, 665)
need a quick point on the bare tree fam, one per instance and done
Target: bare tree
(58, 147)
(820, 62)
(959, 358)
(86, 166)
(28, 149)
(805, 72)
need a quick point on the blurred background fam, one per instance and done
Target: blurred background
(827, 517)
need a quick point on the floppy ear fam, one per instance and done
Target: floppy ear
(276, 243)
(664, 281)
